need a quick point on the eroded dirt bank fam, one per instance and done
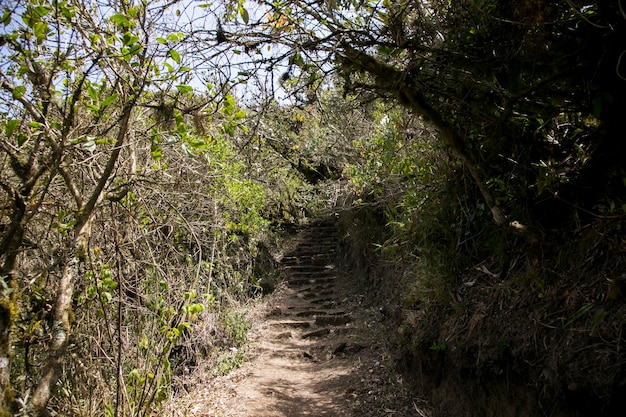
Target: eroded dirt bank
(546, 339)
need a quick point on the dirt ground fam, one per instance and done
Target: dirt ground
(317, 348)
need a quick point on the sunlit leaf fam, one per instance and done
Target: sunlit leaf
(244, 14)
(6, 17)
(18, 92)
(121, 20)
(229, 129)
(156, 152)
(129, 38)
(41, 31)
(10, 127)
(109, 100)
(92, 92)
(184, 88)
(175, 55)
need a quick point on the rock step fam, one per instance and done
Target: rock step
(286, 353)
(312, 274)
(316, 333)
(308, 268)
(307, 295)
(333, 320)
(307, 260)
(310, 313)
(331, 251)
(325, 302)
(299, 281)
(292, 324)
(319, 246)
(324, 331)
(319, 231)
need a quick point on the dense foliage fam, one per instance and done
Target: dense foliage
(527, 96)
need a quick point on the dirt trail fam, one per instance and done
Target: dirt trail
(318, 350)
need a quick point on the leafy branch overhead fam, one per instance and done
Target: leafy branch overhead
(494, 78)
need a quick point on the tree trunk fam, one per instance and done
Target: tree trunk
(60, 336)
(6, 321)
(73, 270)
(8, 309)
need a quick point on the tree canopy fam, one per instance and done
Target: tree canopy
(526, 96)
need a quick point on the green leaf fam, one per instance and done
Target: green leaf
(175, 55)
(244, 14)
(18, 92)
(121, 20)
(184, 88)
(6, 17)
(40, 11)
(109, 100)
(229, 129)
(173, 37)
(129, 38)
(298, 60)
(92, 92)
(94, 108)
(11, 126)
(229, 105)
(68, 12)
(162, 41)
(41, 31)
(156, 151)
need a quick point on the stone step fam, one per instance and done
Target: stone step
(299, 281)
(318, 246)
(319, 312)
(311, 274)
(306, 260)
(324, 302)
(293, 324)
(283, 353)
(316, 333)
(338, 320)
(328, 252)
(311, 313)
(308, 268)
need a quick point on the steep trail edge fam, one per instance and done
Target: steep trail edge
(318, 347)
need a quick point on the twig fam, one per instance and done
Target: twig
(619, 62)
